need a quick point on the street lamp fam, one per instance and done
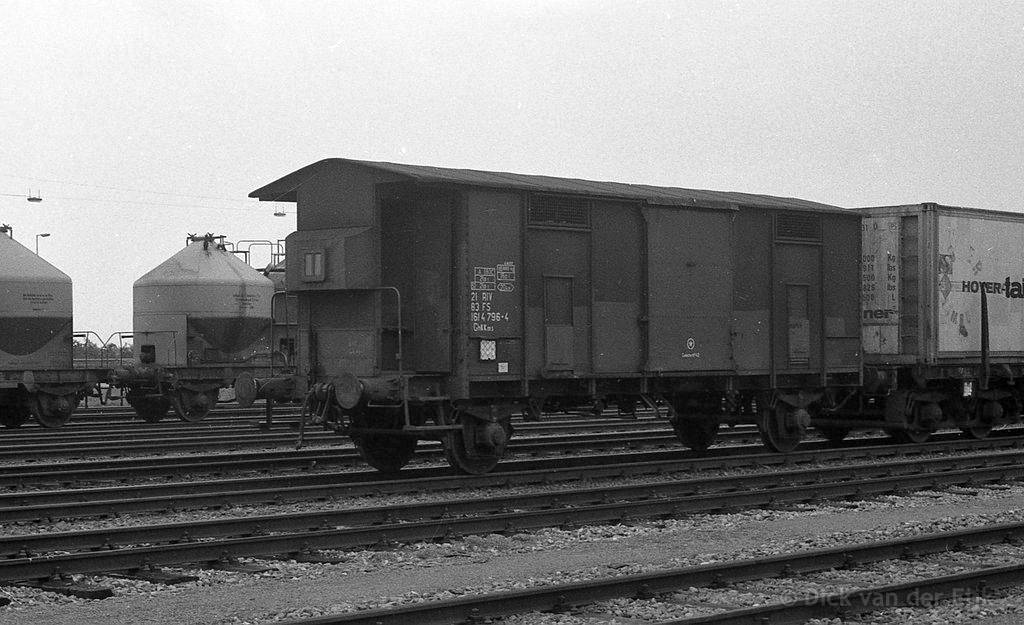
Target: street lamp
(38, 236)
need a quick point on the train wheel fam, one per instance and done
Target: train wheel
(193, 406)
(918, 418)
(384, 452)
(150, 409)
(387, 453)
(921, 422)
(977, 431)
(14, 416)
(477, 447)
(696, 432)
(980, 426)
(914, 435)
(833, 435)
(534, 409)
(53, 411)
(783, 427)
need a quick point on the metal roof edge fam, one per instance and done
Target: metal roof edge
(277, 190)
(935, 206)
(283, 189)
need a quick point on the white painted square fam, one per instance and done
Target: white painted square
(488, 349)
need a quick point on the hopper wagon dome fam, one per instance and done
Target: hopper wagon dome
(35, 300)
(207, 292)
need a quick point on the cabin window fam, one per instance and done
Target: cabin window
(313, 266)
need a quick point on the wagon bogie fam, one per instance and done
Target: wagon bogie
(52, 407)
(378, 436)
(150, 407)
(192, 403)
(695, 418)
(480, 437)
(14, 415)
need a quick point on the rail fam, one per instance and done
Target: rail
(562, 597)
(367, 526)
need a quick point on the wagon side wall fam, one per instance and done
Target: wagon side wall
(795, 316)
(841, 292)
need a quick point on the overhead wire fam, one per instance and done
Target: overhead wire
(248, 204)
(115, 188)
(147, 203)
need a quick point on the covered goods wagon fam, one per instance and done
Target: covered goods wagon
(434, 303)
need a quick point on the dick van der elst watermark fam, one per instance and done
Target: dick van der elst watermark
(853, 600)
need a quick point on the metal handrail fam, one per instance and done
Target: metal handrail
(85, 334)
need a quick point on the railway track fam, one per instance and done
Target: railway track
(340, 454)
(125, 420)
(193, 444)
(88, 435)
(111, 500)
(80, 449)
(41, 555)
(534, 439)
(125, 417)
(140, 551)
(120, 441)
(565, 597)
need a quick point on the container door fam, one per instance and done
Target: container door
(558, 325)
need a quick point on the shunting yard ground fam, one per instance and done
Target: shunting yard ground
(481, 564)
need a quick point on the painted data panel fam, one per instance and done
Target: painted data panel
(495, 304)
(974, 255)
(880, 285)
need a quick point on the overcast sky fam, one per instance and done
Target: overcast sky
(140, 122)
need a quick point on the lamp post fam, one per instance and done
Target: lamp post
(38, 236)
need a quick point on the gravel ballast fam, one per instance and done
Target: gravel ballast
(483, 564)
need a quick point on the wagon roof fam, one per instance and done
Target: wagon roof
(946, 208)
(284, 189)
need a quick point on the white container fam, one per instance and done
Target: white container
(924, 267)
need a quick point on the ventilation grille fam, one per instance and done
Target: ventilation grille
(559, 210)
(795, 226)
